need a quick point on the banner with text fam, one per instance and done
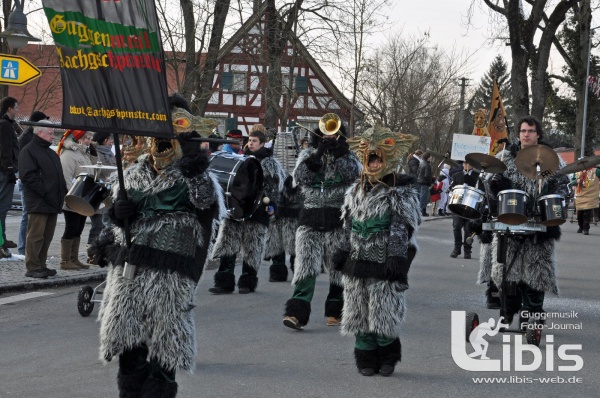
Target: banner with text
(112, 66)
(464, 144)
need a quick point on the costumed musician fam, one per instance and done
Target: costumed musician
(587, 186)
(173, 208)
(381, 216)
(531, 259)
(467, 176)
(249, 236)
(324, 172)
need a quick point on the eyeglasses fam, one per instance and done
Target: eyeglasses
(528, 131)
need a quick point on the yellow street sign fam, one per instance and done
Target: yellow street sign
(17, 71)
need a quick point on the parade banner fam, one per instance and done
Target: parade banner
(497, 121)
(112, 66)
(464, 144)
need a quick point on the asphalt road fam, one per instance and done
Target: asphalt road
(49, 350)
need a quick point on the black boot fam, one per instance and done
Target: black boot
(456, 252)
(297, 313)
(389, 355)
(154, 388)
(366, 361)
(278, 271)
(224, 283)
(130, 385)
(492, 297)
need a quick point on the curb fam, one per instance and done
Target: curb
(51, 282)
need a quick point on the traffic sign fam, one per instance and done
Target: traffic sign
(17, 71)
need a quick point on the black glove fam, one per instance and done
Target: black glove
(12, 178)
(92, 150)
(325, 145)
(124, 208)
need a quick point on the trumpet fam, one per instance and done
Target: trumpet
(329, 124)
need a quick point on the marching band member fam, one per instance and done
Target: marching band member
(531, 258)
(586, 185)
(249, 235)
(147, 322)
(381, 216)
(324, 172)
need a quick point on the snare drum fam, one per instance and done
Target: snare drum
(467, 202)
(512, 206)
(552, 210)
(86, 194)
(242, 180)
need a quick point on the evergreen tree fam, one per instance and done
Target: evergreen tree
(482, 98)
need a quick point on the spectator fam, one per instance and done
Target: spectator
(73, 152)
(9, 160)
(303, 144)
(444, 177)
(25, 139)
(234, 148)
(414, 160)
(424, 180)
(44, 190)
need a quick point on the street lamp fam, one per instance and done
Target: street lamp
(16, 33)
(585, 98)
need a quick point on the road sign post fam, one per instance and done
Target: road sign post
(17, 71)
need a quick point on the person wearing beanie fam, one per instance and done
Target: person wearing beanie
(249, 236)
(25, 139)
(234, 134)
(73, 152)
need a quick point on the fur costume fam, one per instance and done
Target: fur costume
(534, 260)
(282, 231)
(382, 223)
(250, 236)
(173, 226)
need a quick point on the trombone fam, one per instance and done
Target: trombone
(329, 124)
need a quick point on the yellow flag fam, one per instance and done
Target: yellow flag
(497, 121)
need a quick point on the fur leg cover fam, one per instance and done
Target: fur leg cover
(249, 281)
(313, 249)
(390, 354)
(137, 312)
(225, 280)
(130, 385)
(366, 359)
(252, 237)
(485, 263)
(158, 389)
(278, 271)
(299, 309)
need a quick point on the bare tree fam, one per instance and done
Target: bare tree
(526, 53)
(412, 88)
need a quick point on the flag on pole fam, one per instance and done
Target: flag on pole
(497, 121)
(112, 66)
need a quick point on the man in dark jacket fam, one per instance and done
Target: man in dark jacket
(469, 177)
(424, 180)
(9, 153)
(44, 190)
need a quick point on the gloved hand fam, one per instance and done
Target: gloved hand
(124, 208)
(12, 178)
(325, 145)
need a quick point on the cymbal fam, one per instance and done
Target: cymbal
(530, 157)
(451, 162)
(485, 162)
(580, 165)
(101, 167)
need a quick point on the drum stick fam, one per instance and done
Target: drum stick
(503, 149)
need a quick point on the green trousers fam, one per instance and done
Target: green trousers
(305, 290)
(370, 341)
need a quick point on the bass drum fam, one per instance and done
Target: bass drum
(86, 194)
(242, 180)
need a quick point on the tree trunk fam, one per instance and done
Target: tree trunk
(585, 20)
(191, 68)
(204, 84)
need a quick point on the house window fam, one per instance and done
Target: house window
(301, 85)
(285, 80)
(233, 81)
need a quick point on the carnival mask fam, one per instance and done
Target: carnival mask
(479, 118)
(133, 147)
(379, 150)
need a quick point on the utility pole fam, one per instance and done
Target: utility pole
(461, 115)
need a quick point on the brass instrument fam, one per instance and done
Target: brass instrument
(329, 124)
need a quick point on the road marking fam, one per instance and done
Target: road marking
(21, 297)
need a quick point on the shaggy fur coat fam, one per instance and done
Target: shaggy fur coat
(323, 185)
(382, 223)
(534, 261)
(282, 230)
(169, 248)
(250, 236)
